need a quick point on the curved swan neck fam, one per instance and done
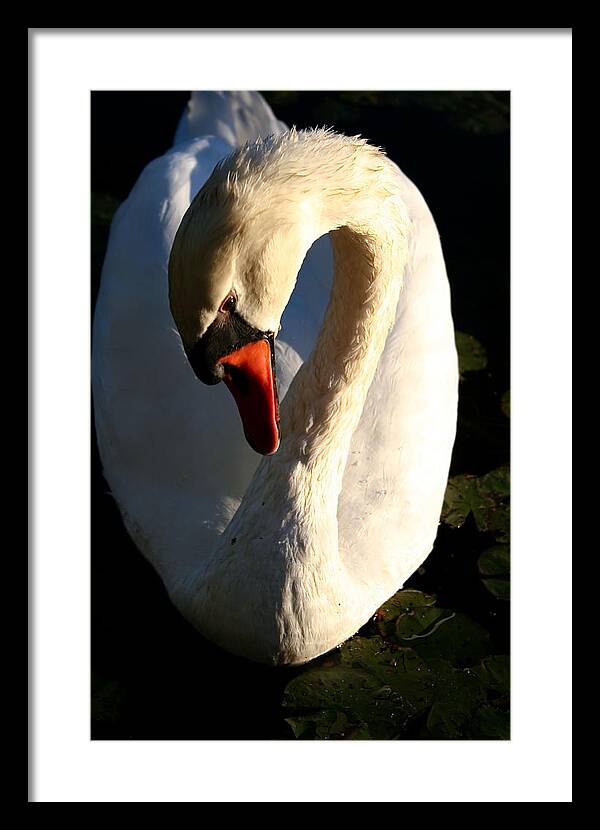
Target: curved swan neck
(363, 211)
(325, 402)
(249, 229)
(271, 200)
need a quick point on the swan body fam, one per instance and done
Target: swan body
(321, 239)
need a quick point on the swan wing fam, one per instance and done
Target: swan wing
(234, 117)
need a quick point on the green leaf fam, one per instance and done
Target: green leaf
(459, 696)
(490, 507)
(449, 636)
(371, 707)
(500, 588)
(505, 403)
(494, 673)
(494, 566)
(381, 687)
(493, 720)
(471, 354)
(401, 675)
(418, 622)
(324, 724)
(360, 732)
(338, 686)
(495, 561)
(485, 497)
(489, 723)
(303, 727)
(496, 482)
(379, 658)
(403, 601)
(378, 692)
(461, 494)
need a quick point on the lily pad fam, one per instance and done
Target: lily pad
(399, 604)
(371, 708)
(471, 354)
(461, 494)
(472, 703)
(455, 703)
(403, 601)
(448, 635)
(433, 674)
(378, 657)
(485, 497)
(494, 566)
(320, 688)
(403, 677)
(489, 723)
(496, 482)
(380, 689)
(326, 724)
(419, 623)
(500, 588)
(495, 561)
(494, 673)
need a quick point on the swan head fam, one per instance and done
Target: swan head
(232, 269)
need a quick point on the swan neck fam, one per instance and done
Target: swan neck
(324, 404)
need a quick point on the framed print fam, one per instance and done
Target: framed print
(271, 511)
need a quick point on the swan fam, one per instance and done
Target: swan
(284, 505)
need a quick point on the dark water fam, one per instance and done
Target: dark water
(153, 676)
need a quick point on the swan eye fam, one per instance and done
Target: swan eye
(228, 304)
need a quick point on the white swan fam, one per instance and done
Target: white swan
(283, 558)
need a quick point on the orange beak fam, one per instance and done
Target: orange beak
(249, 374)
